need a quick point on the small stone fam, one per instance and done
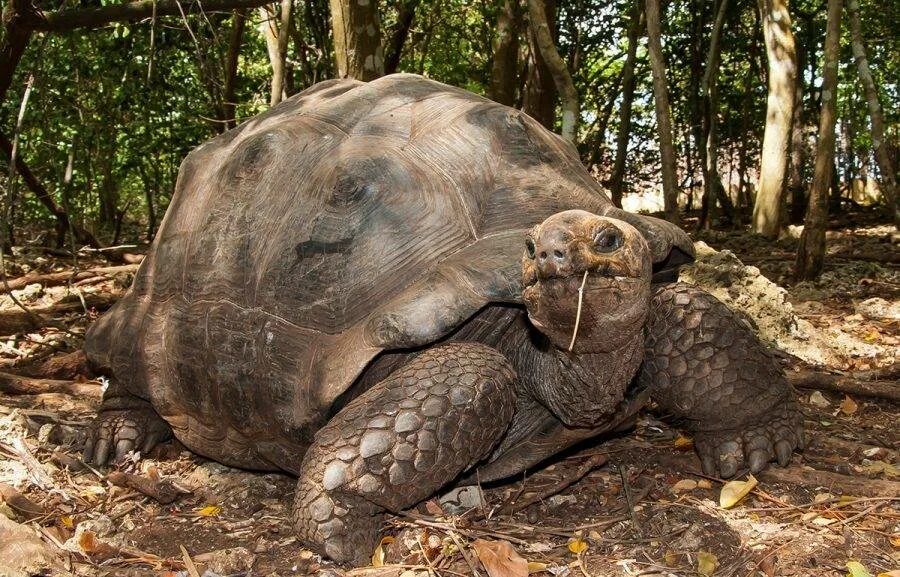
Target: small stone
(461, 499)
(227, 561)
(819, 400)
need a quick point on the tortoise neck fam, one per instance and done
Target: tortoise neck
(583, 389)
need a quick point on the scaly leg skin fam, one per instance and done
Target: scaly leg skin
(400, 442)
(124, 424)
(708, 370)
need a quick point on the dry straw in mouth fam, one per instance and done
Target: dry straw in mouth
(578, 314)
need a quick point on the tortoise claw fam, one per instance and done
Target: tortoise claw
(775, 439)
(117, 432)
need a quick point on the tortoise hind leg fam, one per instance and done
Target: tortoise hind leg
(709, 371)
(398, 443)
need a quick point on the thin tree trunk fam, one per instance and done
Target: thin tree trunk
(876, 115)
(712, 183)
(695, 104)
(357, 39)
(617, 179)
(276, 36)
(782, 58)
(811, 252)
(558, 69)
(405, 17)
(505, 67)
(15, 40)
(663, 117)
(539, 98)
(238, 22)
(796, 182)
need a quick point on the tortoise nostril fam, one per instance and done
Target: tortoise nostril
(558, 253)
(543, 254)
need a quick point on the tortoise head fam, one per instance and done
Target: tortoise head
(606, 260)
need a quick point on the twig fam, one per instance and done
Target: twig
(578, 314)
(10, 198)
(629, 499)
(584, 469)
(465, 555)
(188, 562)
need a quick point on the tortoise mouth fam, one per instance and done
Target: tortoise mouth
(606, 277)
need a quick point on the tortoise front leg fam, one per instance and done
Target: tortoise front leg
(398, 443)
(708, 370)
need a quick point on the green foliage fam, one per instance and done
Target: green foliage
(126, 102)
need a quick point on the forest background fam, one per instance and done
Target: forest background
(728, 113)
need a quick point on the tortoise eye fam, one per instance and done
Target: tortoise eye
(608, 240)
(529, 247)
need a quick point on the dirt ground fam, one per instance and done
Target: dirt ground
(630, 505)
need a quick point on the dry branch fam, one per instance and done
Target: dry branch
(18, 385)
(846, 384)
(834, 482)
(61, 278)
(15, 321)
(64, 20)
(162, 490)
(565, 482)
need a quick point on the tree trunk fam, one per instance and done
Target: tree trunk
(405, 16)
(357, 39)
(712, 183)
(663, 118)
(276, 31)
(879, 142)
(698, 8)
(779, 40)
(617, 179)
(811, 252)
(539, 99)
(505, 67)
(796, 181)
(557, 67)
(238, 22)
(15, 40)
(45, 198)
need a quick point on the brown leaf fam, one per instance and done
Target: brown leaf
(19, 502)
(848, 405)
(500, 559)
(434, 508)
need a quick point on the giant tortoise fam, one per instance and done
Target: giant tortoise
(383, 287)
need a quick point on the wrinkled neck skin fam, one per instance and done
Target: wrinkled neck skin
(584, 387)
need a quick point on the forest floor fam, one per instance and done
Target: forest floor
(631, 505)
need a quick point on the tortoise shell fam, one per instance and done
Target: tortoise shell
(350, 219)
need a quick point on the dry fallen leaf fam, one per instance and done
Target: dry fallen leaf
(67, 521)
(378, 555)
(848, 405)
(535, 567)
(879, 467)
(857, 569)
(209, 511)
(500, 559)
(671, 558)
(683, 443)
(819, 400)
(706, 563)
(734, 491)
(895, 540)
(894, 573)
(684, 485)
(704, 484)
(577, 546)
